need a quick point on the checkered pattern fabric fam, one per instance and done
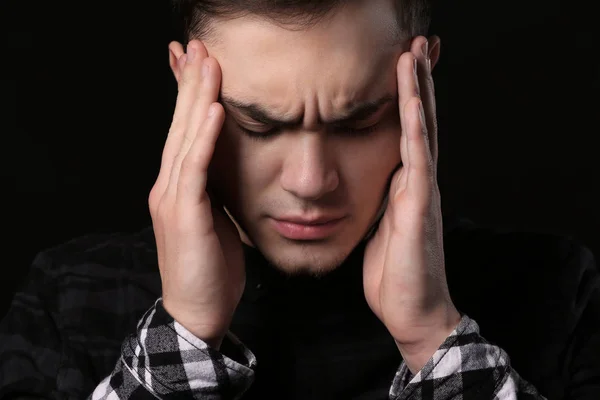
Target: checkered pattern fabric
(166, 360)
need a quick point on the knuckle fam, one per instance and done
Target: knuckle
(155, 197)
(180, 157)
(188, 165)
(177, 125)
(188, 76)
(186, 79)
(152, 200)
(186, 143)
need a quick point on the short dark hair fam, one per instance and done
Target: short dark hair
(414, 16)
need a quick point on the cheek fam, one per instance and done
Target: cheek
(369, 165)
(224, 170)
(388, 146)
(381, 152)
(242, 166)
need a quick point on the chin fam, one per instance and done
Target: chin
(312, 258)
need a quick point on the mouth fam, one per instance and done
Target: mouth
(307, 229)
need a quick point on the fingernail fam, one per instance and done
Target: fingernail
(191, 52)
(422, 115)
(425, 49)
(416, 75)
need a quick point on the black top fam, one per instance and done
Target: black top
(534, 295)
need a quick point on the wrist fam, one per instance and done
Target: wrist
(417, 353)
(210, 333)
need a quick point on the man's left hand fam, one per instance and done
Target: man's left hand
(404, 272)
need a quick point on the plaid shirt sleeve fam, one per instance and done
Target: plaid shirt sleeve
(465, 366)
(166, 360)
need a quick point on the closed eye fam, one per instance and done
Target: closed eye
(341, 130)
(348, 130)
(362, 128)
(263, 133)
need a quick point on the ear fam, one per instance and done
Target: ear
(434, 50)
(175, 52)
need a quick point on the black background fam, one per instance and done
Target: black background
(87, 98)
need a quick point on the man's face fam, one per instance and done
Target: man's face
(319, 164)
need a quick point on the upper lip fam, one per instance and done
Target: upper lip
(302, 220)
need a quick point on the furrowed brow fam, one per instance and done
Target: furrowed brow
(355, 113)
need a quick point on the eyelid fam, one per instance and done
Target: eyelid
(248, 123)
(367, 122)
(262, 131)
(256, 132)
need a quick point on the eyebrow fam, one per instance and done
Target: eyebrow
(355, 113)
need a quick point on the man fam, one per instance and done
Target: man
(300, 248)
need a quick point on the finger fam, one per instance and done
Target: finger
(407, 89)
(420, 49)
(193, 177)
(175, 53)
(190, 66)
(211, 83)
(209, 90)
(189, 85)
(407, 86)
(420, 161)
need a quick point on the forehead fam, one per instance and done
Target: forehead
(347, 57)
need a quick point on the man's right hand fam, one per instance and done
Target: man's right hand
(200, 255)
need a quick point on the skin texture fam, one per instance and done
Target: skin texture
(309, 166)
(313, 75)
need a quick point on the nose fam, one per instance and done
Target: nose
(309, 171)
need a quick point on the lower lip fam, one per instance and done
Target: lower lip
(294, 231)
